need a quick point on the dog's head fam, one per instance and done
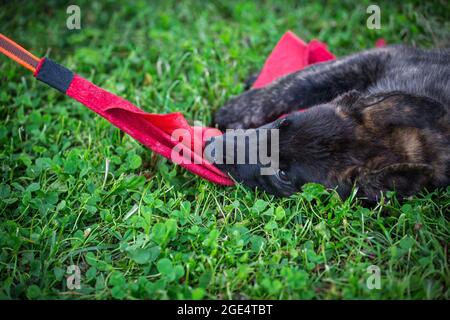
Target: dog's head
(378, 143)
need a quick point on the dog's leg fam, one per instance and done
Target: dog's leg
(311, 86)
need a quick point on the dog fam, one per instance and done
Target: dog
(377, 120)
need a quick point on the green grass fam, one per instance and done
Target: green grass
(189, 238)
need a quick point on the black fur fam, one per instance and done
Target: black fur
(380, 121)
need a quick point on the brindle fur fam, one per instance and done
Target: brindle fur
(380, 121)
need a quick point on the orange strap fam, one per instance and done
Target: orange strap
(18, 54)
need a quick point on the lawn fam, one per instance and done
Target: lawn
(149, 229)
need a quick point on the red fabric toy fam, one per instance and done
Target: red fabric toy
(291, 54)
(155, 131)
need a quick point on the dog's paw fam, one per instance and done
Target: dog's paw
(249, 110)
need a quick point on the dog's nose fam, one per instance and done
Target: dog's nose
(210, 150)
(214, 150)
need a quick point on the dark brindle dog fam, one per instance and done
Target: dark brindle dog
(378, 120)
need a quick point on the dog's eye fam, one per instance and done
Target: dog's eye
(282, 176)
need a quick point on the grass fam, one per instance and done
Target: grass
(149, 229)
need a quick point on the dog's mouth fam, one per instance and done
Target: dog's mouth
(215, 157)
(253, 175)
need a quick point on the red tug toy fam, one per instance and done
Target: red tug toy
(155, 131)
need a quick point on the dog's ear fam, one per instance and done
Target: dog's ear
(393, 109)
(348, 99)
(351, 104)
(400, 110)
(404, 178)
